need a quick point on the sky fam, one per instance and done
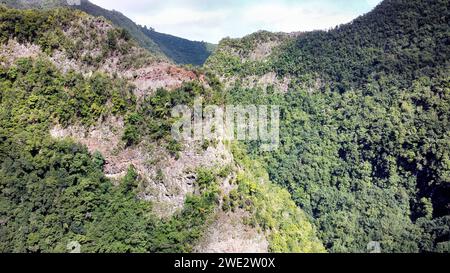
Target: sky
(212, 20)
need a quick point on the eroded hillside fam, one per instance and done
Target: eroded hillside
(87, 153)
(178, 50)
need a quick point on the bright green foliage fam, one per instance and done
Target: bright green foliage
(401, 39)
(364, 140)
(272, 208)
(366, 165)
(181, 233)
(35, 92)
(153, 118)
(54, 192)
(205, 178)
(233, 56)
(365, 129)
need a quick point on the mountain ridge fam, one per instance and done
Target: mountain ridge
(100, 166)
(180, 50)
(86, 150)
(365, 126)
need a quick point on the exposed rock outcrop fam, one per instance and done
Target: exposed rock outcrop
(166, 180)
(229, 234)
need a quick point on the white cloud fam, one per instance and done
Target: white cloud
(189, 23)
(182, 17)
(289, 18)
(211, 20)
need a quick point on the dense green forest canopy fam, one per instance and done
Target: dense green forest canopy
(365, 127)
(365, 139)
(400, 39)
(54, 192)
(182, 51)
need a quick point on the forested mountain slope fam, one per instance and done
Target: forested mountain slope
(179, 50)
(182, 51)
(87, 155)
(403, 40)
(365, 123)
(121, 21)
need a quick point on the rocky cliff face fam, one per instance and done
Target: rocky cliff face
(165, 181)
(245, 61)
(146, 73)
(89, 51)
(90, 46)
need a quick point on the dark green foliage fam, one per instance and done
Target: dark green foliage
(49, 29)
(365, 128)
(364, 141)
(98, 160)
(272, 209)
(39, 92)
(111, 40)
(182, 51)
(366, 167)
(153, 117)
(131, 134)
(54, 192)
(39, 27)
(120, 20)
(174, 147)
(401, 39)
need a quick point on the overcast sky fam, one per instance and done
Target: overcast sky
(212, 20)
